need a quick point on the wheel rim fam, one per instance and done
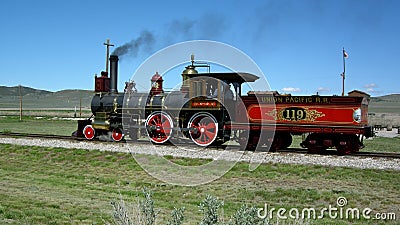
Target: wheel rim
(203, 129)
(89, 132)
(117, 134)
(159, 127)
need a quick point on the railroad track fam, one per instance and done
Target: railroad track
(46, 136)
(357, 154)
(391, 155)
(378, 154)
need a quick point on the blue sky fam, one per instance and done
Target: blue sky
(56, 45)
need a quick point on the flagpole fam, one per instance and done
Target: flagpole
(344, 70)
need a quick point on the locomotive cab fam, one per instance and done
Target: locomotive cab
(212, 103)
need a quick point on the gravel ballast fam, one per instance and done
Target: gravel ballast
(228, 155)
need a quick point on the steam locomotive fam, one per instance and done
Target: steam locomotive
(209, 109)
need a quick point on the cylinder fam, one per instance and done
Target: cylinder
(113, 73)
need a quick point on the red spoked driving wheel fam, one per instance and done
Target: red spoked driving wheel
(203, 129)
(159, 127)
(117, 134)
(89, 132)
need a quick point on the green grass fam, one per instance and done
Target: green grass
(44, 125)
(72, 186)
(382, 144)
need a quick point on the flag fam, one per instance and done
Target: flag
(345, 55)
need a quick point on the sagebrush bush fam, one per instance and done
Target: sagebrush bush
(147, 208)
(247, 215)
(176, 216)
(210, 207)
(120, 213)
(144, 213)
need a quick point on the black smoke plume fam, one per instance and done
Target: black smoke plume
(144, 42)
(208, 26)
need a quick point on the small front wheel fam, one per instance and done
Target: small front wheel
(117, 134)
(89, 132)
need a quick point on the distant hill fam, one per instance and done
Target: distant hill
(14, 91)
(34, 98)
(385, 104)
(387, 98)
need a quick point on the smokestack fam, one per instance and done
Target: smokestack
(113, 73)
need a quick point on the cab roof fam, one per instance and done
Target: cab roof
(231, 77)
